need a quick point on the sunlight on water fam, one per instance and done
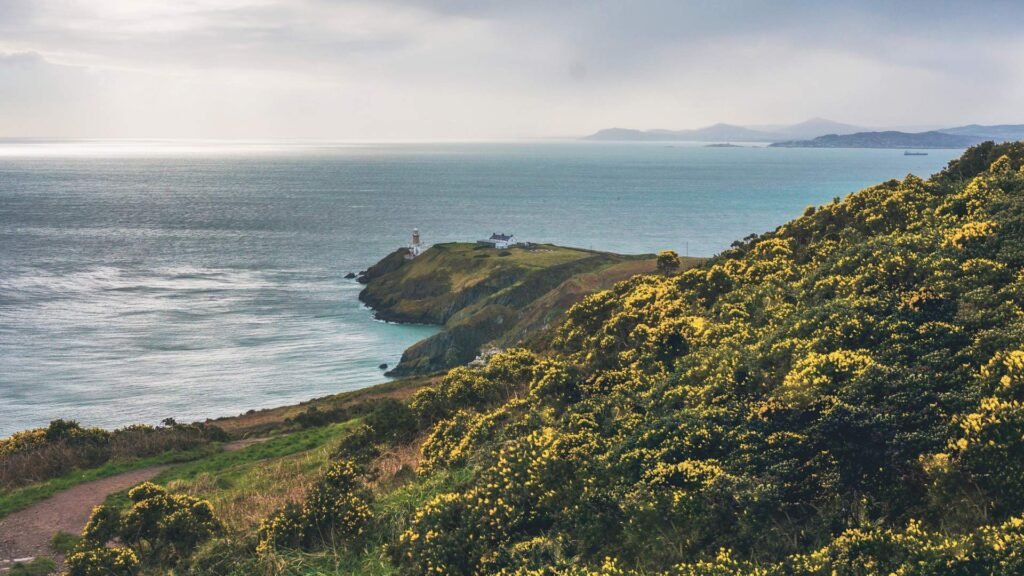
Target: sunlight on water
(150, 148)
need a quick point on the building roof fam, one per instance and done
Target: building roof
(497, 236)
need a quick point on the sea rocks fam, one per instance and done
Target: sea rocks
(383, 366)
(350, 275)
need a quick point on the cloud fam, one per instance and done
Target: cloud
(479, 69)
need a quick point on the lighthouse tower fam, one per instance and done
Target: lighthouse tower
(416, 246)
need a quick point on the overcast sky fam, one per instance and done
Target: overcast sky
(461, 69)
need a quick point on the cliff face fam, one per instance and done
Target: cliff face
(482, 295)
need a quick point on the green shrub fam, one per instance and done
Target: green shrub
(166, 527)
(63, 542)
(158, 528)
(334, 511)
(313, 417)
(393, 421)
(358, 446)
(505, 375)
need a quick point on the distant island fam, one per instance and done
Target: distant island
(724, 145)
(821, 133)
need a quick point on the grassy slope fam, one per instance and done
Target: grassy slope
(535, 320)
(247, 485)
(856, 369)
(447, 277)
(261, 422)
(256, 423)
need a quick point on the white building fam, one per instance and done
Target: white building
(501, 241)
(416, 246)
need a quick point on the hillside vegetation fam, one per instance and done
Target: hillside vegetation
(482, 295)
(844, 395)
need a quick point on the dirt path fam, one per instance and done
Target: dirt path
(239, 444)
(27, 533)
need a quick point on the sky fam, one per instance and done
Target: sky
(495, 69)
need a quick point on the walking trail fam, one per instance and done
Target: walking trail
(27, 533)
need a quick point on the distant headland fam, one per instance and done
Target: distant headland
(492, 293)
(821, 133)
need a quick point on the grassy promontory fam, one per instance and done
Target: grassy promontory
(483, 296)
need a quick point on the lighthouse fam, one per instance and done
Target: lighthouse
(416, 246)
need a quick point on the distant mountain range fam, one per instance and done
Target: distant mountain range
(816, 127)
(822, 133)
(730, 133)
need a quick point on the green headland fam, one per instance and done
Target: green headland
(486, 298)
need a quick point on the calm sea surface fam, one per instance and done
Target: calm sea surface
(144, 280)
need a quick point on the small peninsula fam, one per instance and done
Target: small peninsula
(487, 297)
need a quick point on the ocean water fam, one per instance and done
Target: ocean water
(145, 280)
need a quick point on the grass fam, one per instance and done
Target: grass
(20, 498)
(209, 459)
(391, 511)
(394, 507)
(36, 567)
(465, 268)
(247, 485)
(269, 419)
(273, 448)
(64, 542)
(474, 261)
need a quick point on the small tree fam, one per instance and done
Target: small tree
(668, 262)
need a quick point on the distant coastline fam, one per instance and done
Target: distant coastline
(820, 133)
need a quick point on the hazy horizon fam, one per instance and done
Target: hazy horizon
(400, 70)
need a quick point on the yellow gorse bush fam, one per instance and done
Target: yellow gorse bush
(334, 512)
(801, 398)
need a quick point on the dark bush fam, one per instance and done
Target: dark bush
(393, 421)
(43, 453)
(334, 512)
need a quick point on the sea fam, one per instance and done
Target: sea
(143, 280)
